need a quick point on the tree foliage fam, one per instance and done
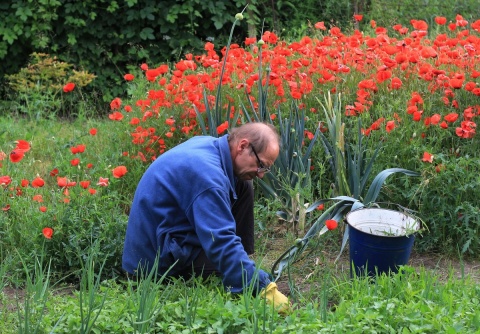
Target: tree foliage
(107, 37)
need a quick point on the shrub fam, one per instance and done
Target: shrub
(43, 88)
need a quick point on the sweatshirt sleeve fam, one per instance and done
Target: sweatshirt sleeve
(215, 226)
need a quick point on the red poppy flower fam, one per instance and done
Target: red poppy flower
(417, 115)
(390, 126)
(116, 116)
(68, 87)
(24, 183)
(6, 207)
(92, 191)
(37, 198)
(331, 224)
(16, 156)
(38, 182)
(129, 77)
(103, 182)
(383, 76)
(81, 148)
(5, 180)
(395, 83)
(75, 162)
(460, 21)
(440, 20)
(22, 145)
(250, 40)
(47, 232)
(357, 17)
(470, 86)
(427, 157)
(62, 182)
(84, 184)
(170, 121)
(452, 117)
(308, 134)
(320, 26)
(43, 208)
(116, 103)
(456, 83)
(54, 172)
(93, 131)
(119, 172)
(222, 127)
(435, 119)
(419, 24)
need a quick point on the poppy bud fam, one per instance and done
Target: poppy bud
(331, 224)
(239, 16)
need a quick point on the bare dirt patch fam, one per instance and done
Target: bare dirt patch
(321, 260)
(11, 298)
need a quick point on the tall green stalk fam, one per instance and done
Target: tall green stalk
(35, 298)
(90, 305)
(216, 116)
(147, 297)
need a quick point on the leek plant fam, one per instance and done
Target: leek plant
(290, 176)
(351, 168)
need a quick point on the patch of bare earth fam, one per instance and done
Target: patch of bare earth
(11, 298)
(322, 260)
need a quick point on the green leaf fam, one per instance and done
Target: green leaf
(72, 40)
(377, 183)
(23, 13)
(9, 36)
(131, 3)
(147, 33)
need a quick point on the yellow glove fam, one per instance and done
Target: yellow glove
(276, 298)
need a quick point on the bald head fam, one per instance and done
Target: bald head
(260, 135)
(254, 147)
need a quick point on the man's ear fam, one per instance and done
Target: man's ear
(243, 144)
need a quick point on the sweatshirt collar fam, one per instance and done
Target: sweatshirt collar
(226, 158)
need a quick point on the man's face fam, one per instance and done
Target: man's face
(248, 165)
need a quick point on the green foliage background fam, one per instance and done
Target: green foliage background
(106, 37)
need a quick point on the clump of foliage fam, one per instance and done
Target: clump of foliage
(47, 74)
(40, 86)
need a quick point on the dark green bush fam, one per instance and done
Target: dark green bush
(105, 36)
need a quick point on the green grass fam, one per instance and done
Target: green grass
(413, 301)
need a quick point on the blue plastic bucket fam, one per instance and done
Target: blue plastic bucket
(380, 240)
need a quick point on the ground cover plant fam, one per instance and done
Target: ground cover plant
(67, 185)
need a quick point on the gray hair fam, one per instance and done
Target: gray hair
(258, 134)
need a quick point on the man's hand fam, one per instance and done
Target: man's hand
(276, 298)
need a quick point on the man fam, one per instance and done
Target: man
(193, 208)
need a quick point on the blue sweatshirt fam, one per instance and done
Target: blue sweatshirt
(182, 204)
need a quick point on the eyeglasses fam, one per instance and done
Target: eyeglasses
(262, 168)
